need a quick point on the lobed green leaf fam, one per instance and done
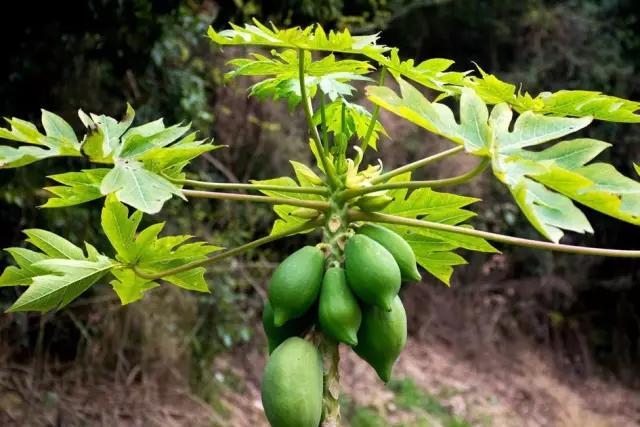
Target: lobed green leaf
(55, 276)
(58, 140)
(310, 38)
(434, 249)
(572, 103)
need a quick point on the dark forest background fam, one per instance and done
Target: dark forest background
(99, 54)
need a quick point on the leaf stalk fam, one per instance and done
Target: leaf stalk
(355, 215)
(417, 164)
(315, 136)
(374, 115)
(313, 204)
(308, 226)
(456, 180)
(322, 191)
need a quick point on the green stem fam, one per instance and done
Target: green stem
(313, 204)
(258, 187)
(355, 215)
(315, 136)
(417, 164)
(456, 180)
(374, 115)
(323, 117)
(308, 226)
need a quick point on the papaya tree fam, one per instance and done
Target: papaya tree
(372, 227)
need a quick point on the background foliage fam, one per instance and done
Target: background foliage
(153, 54)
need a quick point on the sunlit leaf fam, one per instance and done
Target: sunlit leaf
(150, 253)
(310, 38)
(356, 121)
(573, 103)
(136, 186)
(55, 276)
(286, 220)
(473, 130)
(129, 286)
(142, 158)
(544, 183)
(431, 73)
(58, 140)
(434, 249)
(78, 188)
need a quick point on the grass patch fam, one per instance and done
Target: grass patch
(424, 410)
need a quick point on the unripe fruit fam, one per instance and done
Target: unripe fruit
(295, 284)
(339, 313)
(292, 385)
(305, 213)
(397, 246)
(382, 336)
(372, 273)
(276, 335)
(371, 203)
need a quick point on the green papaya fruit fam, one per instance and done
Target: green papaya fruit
(338, 311)
(295, 284)
(292, 385)
(398, 247)
(277, 334)
(374, 202)
(372, 273)
(382, 336)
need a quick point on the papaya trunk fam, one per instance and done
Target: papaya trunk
(335, 232)
(331, 392)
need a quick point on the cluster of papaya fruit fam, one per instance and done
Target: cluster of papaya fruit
(357, 305)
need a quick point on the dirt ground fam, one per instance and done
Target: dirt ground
(524, 392)
(521, 391)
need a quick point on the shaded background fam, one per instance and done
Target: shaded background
(177, 355)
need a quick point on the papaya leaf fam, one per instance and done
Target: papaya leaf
(356, 120)
(150, 253)
(129, 286)
(25, 270)
(136, 186)
(120, 229)
(103, 136)
(78, 187)
(310, 38)
(142, 158)
(59, 139)
(543, 183)
(431, 73)
(562, 168)
(305, 177)
(434, 250)
(328, 74)
(572, 103)
(441, 264)
(55, 276)
(473, 131)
